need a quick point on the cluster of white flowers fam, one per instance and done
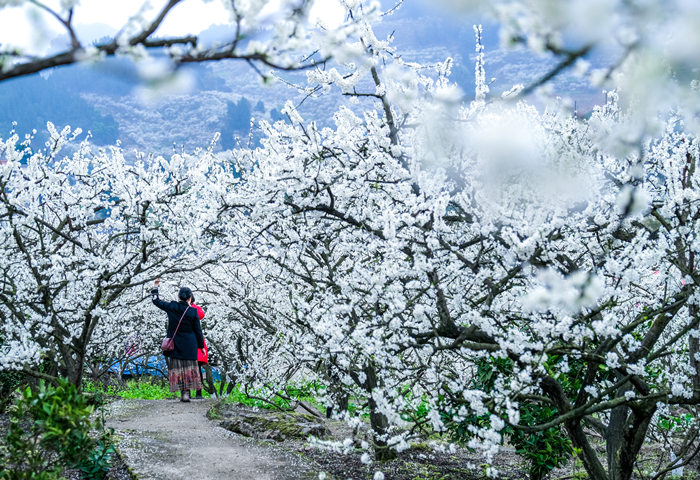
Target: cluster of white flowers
(441, 279)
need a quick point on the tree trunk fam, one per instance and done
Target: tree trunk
(231, 386)
(378, 421)
(625, 436)
(693, 351)
(614, 437)
(337, 392)
(343, 402)
(228, 383)
(209, 380)
(552, 389)
(74, 367)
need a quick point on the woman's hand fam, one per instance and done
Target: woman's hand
(157, 282)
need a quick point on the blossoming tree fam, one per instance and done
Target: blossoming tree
(81, 235)
(479, 268)
(262, 34)
(417, 259)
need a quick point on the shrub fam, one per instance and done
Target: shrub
(543, 450)
(50, 430)
(9, 381)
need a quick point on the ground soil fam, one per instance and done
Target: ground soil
(161, 439)
(168, 439)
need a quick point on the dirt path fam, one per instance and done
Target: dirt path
(167, 439)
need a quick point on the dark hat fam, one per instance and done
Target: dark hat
(184, 294)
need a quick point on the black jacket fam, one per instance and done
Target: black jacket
(189, 336)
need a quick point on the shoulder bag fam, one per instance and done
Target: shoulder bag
(168, 343)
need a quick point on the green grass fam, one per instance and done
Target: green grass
(304, 392)
(153, 390)
(145, 391)
(99, 388)
(134, 389)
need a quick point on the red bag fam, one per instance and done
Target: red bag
(203, 353)
(168, 343)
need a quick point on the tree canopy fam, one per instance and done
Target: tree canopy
(480, 268)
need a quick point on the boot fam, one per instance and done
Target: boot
(184, 395)
(199, 395)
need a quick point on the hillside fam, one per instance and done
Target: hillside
(107, 99)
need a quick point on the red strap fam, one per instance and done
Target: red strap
(178, 323)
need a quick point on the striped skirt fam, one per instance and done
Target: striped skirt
(183, 375)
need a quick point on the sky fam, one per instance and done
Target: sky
(22, 26)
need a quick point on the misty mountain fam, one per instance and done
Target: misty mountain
(108, 98)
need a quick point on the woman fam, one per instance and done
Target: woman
(202, 353)
(183, 370)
